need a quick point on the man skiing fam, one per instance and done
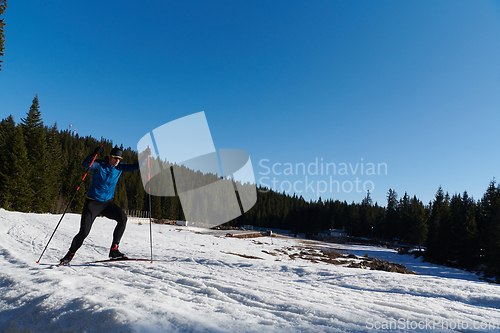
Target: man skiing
(105, 175)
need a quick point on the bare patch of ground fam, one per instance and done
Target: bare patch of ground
(314, 253)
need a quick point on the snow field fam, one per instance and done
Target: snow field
(205, 284)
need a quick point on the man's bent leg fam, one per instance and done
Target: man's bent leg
(114, 212)
(90, 211)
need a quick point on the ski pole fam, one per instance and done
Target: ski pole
(74, 195)
(150, 217)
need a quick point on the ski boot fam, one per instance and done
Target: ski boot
(67, 258)
(114, 253)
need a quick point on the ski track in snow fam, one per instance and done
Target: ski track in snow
(206, 288)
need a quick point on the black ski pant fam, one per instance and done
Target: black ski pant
(91, 210)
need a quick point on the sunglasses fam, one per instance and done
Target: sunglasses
(117, 157)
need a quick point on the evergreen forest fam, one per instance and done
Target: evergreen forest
(40, 169)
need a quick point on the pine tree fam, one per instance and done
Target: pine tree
(417, 227)
(3, 7)
(440, 229)
(55, 160)
(491, 232)
(156, 207)
(468, 249)
(36, 145)
(367, 218)
(434, 222)
(7, 128)
(135, 190)
(121, 194)
(404, 212)
(392, 217)
(174, 208)
(74, 174)
(17, 194)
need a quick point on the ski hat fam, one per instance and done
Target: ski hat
(116, 152)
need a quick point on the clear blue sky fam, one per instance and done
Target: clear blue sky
(414, 85)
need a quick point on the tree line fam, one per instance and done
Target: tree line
(454, 230)
(40, 169)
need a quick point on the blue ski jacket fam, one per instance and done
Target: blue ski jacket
(105, 177)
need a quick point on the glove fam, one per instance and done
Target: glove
(98, 150)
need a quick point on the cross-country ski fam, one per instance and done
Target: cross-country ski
(59, 265)
(131, 259)
(117, 260)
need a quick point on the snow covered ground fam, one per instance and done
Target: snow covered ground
(205, 284)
